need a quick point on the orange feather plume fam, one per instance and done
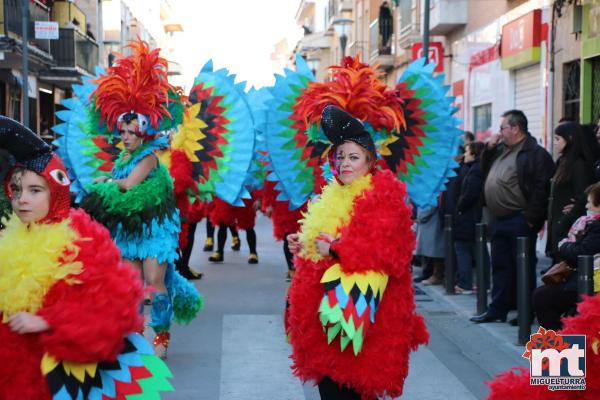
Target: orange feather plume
(356, 89)
(135, 83)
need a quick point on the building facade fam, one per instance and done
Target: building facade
(53, 64)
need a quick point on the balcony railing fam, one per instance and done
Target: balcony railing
(75, 50)
(12, 20)
(448, 15)
(381, 44)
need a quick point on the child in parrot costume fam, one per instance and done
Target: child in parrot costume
(69, 305)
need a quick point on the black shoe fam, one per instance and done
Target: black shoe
(421, 278)
(191, 275)
(253, 258)
(486, 317)
(235, 243)
(209, 245)
(216, 257)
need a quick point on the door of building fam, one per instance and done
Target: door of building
(595, 89)
(528, 93)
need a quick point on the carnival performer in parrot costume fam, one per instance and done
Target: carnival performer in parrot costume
(68, 304)
(130, 191)
(357, 153)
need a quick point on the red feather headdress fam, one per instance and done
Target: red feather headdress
(356, 89)
(138, 84)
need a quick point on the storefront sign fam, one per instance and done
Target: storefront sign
(521, 40)
(46, 30)
(436, 54)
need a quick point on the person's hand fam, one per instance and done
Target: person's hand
(294, 243)
(569, 207)
(268, 211)
(324, 243)
(101, 179)
(494, 140)
(25, 322)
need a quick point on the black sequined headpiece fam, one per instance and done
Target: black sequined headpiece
(339, 126)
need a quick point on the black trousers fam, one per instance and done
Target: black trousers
(550, 302)
(331, 390)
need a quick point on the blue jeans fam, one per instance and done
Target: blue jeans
(465, 261)
(504, 262)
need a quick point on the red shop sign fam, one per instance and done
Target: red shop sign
(436, 54)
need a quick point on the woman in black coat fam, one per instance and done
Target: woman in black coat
(574, 173)
(466, 215)
(550, 302)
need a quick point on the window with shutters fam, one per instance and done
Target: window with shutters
(595, 89)
(405, 16)
(571, 90)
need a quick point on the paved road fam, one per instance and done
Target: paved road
(236, 349)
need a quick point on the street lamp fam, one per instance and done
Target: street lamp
(341, 26)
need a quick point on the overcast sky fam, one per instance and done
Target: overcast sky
(237, 34)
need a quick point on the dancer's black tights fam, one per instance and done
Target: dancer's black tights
(186, 252)
(251, 238)
(210, 229)
(222, 236)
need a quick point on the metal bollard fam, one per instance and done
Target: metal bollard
(450, 256)
(585, 275)
(523, 290)
(482, 268)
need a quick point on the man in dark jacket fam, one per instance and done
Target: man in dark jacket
(516, 190)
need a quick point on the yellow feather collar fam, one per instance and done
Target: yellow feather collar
(330, 213)
(33, 260)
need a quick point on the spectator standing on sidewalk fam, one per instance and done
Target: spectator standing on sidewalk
(517, 183)
(466, 215)
(430, 244)
(572, 176)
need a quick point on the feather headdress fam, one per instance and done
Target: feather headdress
(356, 89)
(135, 84)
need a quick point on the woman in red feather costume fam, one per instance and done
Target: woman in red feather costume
(65, 294)
(352, 321)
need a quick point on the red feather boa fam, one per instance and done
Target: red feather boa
(88, 320)
(379, 237)
(285, 221)
(181, 172)
(242, 218)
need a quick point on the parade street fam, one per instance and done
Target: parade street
(236, 348)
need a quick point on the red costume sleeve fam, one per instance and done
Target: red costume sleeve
(89, 319)
(181, 172)
(379, 241)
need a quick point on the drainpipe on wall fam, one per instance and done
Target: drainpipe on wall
(550, 122)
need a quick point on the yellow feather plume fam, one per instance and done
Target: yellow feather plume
(33, 260)
(330, 213)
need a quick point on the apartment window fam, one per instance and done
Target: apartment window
(571, 90)
(405, 16)
(482, 121)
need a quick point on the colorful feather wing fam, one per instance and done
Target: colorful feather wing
(85, 145)
(349, 305)
(258, 168)
(228, 143)
(136, 374)
(295, 158)
(422, 153)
